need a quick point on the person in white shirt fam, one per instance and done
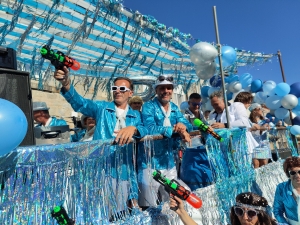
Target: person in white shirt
(238, 114)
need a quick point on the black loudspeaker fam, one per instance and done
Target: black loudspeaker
(15, 87)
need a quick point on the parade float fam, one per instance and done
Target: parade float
(110, 40)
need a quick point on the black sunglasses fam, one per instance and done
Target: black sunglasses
(240, 212)
(292, 173)
(162, 78)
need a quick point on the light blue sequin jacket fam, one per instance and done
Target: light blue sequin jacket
(55, 122)
(284, 203)
(153, 119)
(105, 116)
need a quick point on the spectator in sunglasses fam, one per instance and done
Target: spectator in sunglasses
(287, 196)
(136, 103)
(249, 209)
(161, 117)
(114, 120)
(194, 110)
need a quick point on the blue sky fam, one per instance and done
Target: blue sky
(257, 26)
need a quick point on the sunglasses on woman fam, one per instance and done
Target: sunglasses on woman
(121, 88)
(167, 78)
(240, 212)
(292, 173)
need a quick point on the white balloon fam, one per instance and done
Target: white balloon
(269, 87)
(235, 86)
(203, 52)
(206, 71)
(273, 102)
(289, 101)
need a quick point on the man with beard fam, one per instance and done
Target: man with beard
(114, 120)
(160, 117)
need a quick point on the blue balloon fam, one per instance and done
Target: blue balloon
(215, 81)
(245, 79)
(295, 130)
(296, 120)
(295, 89)
(256, 85)
(281, 113)
(13, 126)
(204, 91)
(231, 78)
(229, 96)
(282, 89)
(228, 56)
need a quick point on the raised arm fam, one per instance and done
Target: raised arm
(78, 103)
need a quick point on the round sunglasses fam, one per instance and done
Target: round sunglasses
(240, 212)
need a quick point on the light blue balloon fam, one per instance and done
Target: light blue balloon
(273, 102)
(295, 130)
(269, 87)
(281, 113)
(228, 56)
(246, 79)
(184, 105)
(13, 126)
(204, 91)
(212, 90)
(231, 78)
(296, 110)
(260, 97)
(282, 89)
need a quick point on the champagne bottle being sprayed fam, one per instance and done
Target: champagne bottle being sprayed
(173, 187)
(202, 126)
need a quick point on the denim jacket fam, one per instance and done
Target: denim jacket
(153, 119)
(284, 203)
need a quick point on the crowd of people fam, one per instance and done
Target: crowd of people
(128, 117)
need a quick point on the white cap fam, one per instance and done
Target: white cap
(254, 106)
(39, 106)
(164, 82)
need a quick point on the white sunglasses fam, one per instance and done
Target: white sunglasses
(121, 88)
